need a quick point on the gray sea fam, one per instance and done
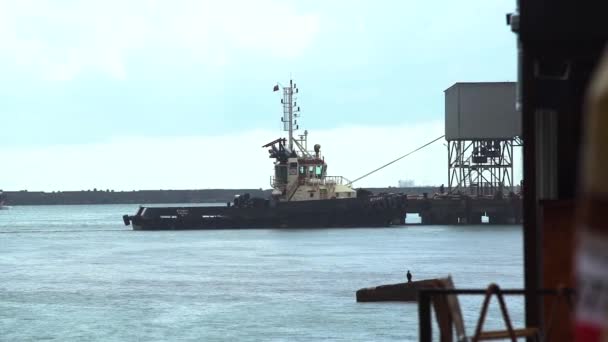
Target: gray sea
(76, 273)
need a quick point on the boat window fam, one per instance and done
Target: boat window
(312, 194)
(318, 170)
(293, 164)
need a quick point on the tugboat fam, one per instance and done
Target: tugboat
(303, 195)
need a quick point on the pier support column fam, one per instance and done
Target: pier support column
(474, 218)
(498, 218)
(436, 218)
(427, 218)
(398, 221)
(447, 219)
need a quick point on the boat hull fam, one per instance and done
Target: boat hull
(377, 211)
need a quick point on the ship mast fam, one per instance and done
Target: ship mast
(290, 112)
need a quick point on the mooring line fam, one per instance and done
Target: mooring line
(396, 160)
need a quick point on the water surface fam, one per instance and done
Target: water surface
(76, 273)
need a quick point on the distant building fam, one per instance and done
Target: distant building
(407, 183)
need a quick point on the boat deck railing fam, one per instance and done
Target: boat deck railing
(327, 180)
(274, 184)
(336, 180)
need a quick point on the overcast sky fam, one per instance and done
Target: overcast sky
(140, 94)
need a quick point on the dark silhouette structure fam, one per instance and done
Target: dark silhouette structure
(409, 276)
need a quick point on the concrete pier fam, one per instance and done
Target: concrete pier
(451, 210)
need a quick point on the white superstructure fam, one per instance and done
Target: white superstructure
(299, 174)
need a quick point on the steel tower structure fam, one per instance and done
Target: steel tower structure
(482, 126)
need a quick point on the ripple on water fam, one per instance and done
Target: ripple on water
(76, 273)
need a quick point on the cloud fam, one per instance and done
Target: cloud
(230, 161)
(60, 40)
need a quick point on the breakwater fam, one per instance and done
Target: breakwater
(96, 196)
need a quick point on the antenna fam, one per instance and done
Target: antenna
(290, 112)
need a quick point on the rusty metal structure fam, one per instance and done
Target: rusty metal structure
(559, 45)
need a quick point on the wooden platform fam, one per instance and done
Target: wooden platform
(401, 292)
